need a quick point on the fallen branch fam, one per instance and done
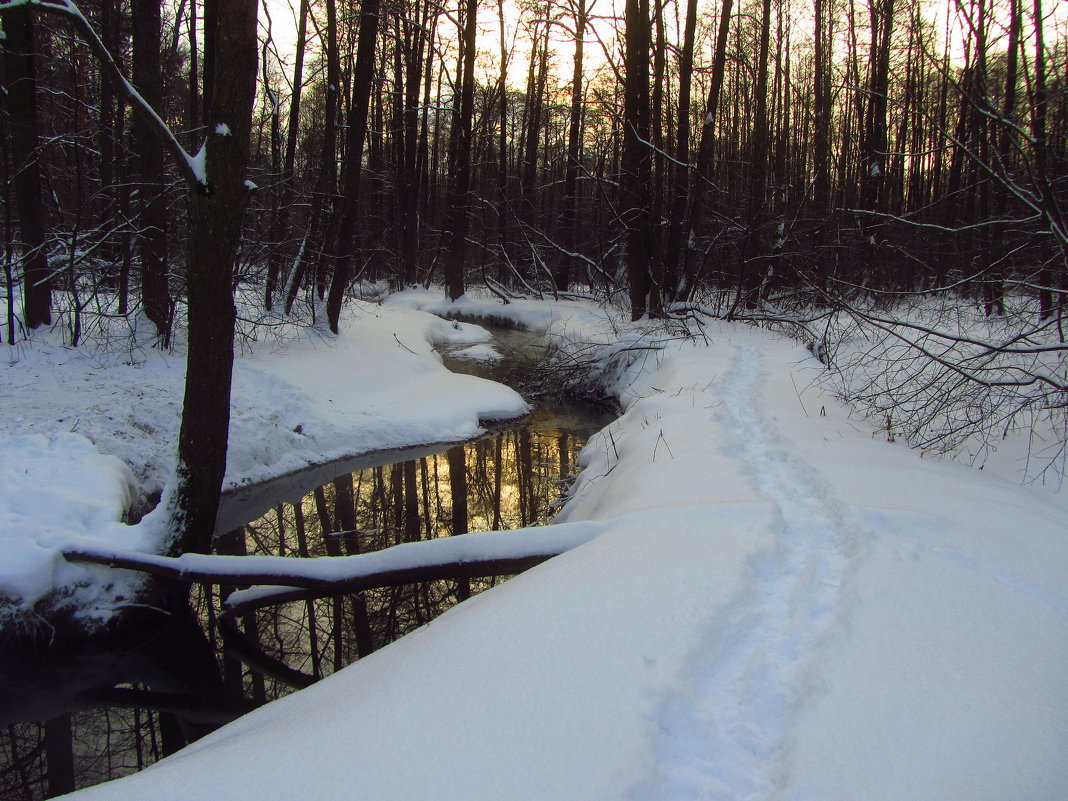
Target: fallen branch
(472, 555)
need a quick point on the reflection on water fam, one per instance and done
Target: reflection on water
(508, 480)
(115, 707)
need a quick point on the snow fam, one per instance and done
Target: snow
(776, 602)
(533, 315)
(478, 353)
(303, 401)
(473, 547)
(198, 163)
(52, 486)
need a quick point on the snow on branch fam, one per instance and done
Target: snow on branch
(191, 168)
(480, 553)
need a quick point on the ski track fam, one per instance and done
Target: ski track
(727, 735)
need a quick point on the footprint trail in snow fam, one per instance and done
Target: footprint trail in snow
(727, 735)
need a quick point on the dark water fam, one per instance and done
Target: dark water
(123, 700)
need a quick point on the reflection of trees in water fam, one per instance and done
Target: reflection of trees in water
(105, 744)
(113, 704)
(506, 481)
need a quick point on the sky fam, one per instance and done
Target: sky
(283, 18)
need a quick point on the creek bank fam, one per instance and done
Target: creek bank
(513, 476)
(298, 399)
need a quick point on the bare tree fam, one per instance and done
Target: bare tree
(457, 220)
(21, 84)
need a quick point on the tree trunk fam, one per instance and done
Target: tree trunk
(147, 77)
(873, 150)
(574, 154)
(821, 138)
(361, 95)
(637, 163)
(753, 240)
(458, 497)
(22, 102)
(326, 181)
(214, 232)
(276, 266)
(457, 219)
(673, 287)
(696, 214)
(59, 755)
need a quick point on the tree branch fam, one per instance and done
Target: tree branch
(486, 553)
(191, 168)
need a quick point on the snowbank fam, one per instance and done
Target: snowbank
(87, 432)
(532, 315)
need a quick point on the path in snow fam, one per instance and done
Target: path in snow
(728, 734)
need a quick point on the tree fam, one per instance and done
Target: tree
(753, 239)
(672, 286)
(636, 210)
(363, 73)
(274, 269)
(326, 181)
(458, 220)
(148, 78)
(696, 212)
(216, 209)
(562, 276)
(21, 84)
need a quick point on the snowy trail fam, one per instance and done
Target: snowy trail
(728, 735)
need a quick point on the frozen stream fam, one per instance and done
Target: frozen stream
(110, 706)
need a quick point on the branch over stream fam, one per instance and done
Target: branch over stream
(483, 553)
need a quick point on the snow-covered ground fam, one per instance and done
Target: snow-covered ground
(85, 431)
(779, 604)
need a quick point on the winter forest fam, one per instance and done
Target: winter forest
(783, 153)
(778, 160)
(795, 214)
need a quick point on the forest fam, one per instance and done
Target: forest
(777, 162)
(778, 153)
(882, 180)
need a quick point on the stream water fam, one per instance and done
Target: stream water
(78, 713)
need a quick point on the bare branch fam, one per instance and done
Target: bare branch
(191, 168)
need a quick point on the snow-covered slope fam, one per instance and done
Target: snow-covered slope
(783, 605)
(85, 431)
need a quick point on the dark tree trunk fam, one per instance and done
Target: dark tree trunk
(821, 136)
(502, 148)
(458, 497)
(59, 755)
(106, 133)
(753, 240)
(574, 154)
(22, 102)
(361, 95)
(210, 51)
(672, 286)
(637, 163)
(326, 182)
(147, 77)
(214, 232)
(415, 43)
(194, 72)
(276, 266)
(1050, 205)
(457, 220)
(873, 158)
(696, 213)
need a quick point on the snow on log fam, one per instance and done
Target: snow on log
(466, 555)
